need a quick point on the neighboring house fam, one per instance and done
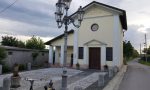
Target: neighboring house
(99, 40)
(24, 56)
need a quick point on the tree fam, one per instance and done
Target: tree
(147, 51)
(135, 53)
(35, 43)
(12, 41)
(9, 41)
(21, 44)
(2, 55)
(127, 49)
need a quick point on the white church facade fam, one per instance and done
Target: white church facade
(98, 42)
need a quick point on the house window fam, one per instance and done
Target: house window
(10, 53)
(80, 52)
(109, 53)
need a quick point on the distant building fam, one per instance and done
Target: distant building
(24, 56)
(99, 40)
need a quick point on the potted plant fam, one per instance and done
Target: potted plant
(15, 78)
(78, 65)
(106, 67)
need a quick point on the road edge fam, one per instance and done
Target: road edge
(115, 82)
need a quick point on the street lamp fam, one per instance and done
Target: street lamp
(61, 16)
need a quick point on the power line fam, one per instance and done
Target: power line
(8, 7)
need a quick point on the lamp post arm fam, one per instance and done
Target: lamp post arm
(73, 22)
(60, 24)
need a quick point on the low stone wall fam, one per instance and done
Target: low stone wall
(24, 57)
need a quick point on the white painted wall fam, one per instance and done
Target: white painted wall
(75, 48)
(109, 32)
(117, 43)
(50, 54)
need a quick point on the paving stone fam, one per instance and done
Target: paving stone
(42, 77)
(85, 82)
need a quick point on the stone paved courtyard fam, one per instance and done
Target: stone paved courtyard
(83, 78)
(42, 76)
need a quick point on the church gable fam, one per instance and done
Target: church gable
(95, 11)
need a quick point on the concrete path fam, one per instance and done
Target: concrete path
(137, 77)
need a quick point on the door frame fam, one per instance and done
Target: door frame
(98, 66)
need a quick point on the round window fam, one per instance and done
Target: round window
(94, 27)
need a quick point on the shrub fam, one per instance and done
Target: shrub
(6, 69)
(34, 55)
(15, 70)
(78, 65)
(22, 67)
(106, 67)
(2, 55)
(124, 62)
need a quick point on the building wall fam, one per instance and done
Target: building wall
(60, 41)
(105, 20)
(69, 52)
(24, 57)
(106, 33)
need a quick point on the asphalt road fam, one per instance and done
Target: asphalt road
(137, 77)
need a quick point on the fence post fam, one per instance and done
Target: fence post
(110, 73)
(101, 80)
(78, 88)
(29, 66)
(115, 69)
(6, 84)
(1, 69)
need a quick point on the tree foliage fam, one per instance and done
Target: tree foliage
(35, 43)
(147, 51)
(135, 53)
(2, 55)
(128, 50)
(21, 44)
(9, 41)
(34, 55)
(12, 41)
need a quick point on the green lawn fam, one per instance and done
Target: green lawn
(145, 63)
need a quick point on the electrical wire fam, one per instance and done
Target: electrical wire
(8, 6)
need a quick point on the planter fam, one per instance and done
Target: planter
(0, 69)
(15, 82)
(78, 66)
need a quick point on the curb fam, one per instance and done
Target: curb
(115, 82)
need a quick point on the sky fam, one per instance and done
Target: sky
(36, 17)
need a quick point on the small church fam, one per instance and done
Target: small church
(98, 42)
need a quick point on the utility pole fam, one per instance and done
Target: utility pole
(145, 48)
(140, 50)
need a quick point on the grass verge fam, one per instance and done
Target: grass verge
(145, 63)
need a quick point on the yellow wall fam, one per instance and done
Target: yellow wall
(69, 52)
(96, 11)
(105, 19)
(60, 41)
(103, 34)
